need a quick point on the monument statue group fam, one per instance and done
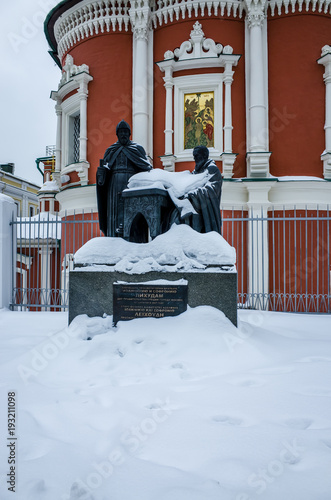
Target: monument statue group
(125, 158)
(189, 264)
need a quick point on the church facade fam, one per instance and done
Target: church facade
(251, 80)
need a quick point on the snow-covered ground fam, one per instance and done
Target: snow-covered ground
(178, 408)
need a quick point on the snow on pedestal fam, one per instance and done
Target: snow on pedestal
(180, 248)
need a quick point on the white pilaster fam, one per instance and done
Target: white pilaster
(168, 159)
(57, 172)
(325, 60)
(140, 20)
(140, 94)
(8, 212)
(83, 122)
(257, 136)
(228, 79)
(228, 158)
(168, 84)
(258, 251)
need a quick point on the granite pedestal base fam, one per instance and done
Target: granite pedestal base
(91, 292)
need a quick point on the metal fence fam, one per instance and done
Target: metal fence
(283, 257)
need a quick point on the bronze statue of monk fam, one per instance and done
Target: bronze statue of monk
(122, 159)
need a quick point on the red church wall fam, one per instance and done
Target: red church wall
(299, 270)
(77, 230)
(227, 31)
(296, 93)
(109, 58)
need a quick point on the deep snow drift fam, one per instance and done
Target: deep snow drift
(178, 408)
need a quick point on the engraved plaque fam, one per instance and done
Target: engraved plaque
(141, 300)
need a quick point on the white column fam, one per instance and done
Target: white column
(58, 111)
(228, 158)
(83, 123)
(140, 90)
(257, 152)
(58, 146)
(8, 211)
(258, 248)
(228, 79)
(168, 84)
(168, 159)
(325, 60)
(257, 107)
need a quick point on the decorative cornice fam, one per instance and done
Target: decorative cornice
(83, 19)
(198, 46)
(255, 12)
(168, 11)
(287, 7)
(198, 51)
(140, 19)
(90, 17)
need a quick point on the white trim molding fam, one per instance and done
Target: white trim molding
(77, 200)
(276, 193)
(88, 18)
(196, 53)
(286, 7)
(96, 17)
(142, 69)
(166, 11)
(73, 78)
(325, 60)
(211, 82)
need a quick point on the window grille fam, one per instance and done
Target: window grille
(76, 138)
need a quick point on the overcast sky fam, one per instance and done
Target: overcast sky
(28, 74)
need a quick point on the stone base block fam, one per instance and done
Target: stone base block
(91, 292)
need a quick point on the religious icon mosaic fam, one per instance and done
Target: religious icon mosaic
(199, 120)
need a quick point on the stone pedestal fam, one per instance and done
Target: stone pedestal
(91, 291)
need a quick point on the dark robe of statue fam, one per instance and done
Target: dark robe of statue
(121, 160)
(205, 200)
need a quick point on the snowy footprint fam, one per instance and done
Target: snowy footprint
(79, 492)
(275, 370)
(315, 391)
(179, 366)
(248, 381)
(298, 423)
(227, 420)
(327, 443)
(314, 359)
(183, 372)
